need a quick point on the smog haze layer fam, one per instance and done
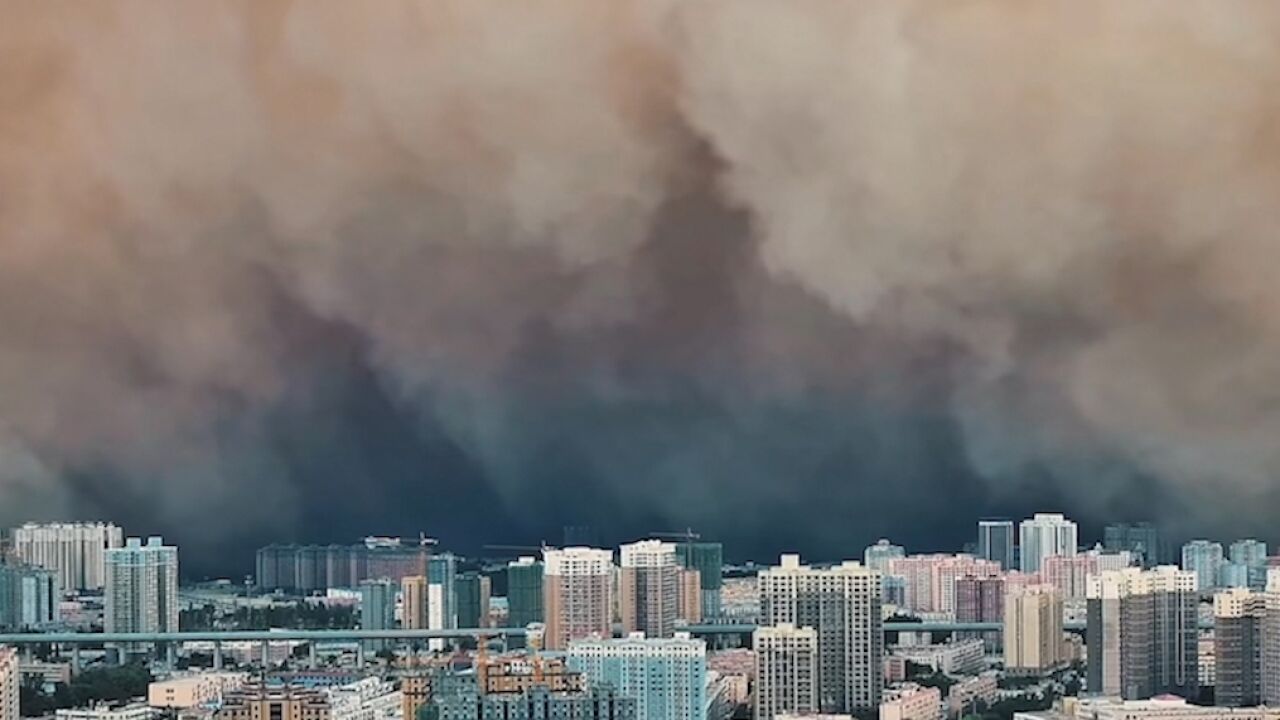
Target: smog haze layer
(796, 274)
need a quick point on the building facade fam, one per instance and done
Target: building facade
(878, 556)
(74, 552)
(413, 602)
(442, 607)
(929, 581)
(377, 608)
(707, 558)
(1249, 559)
(29, 597)
(457, 697)
(648, 588)
(1043, 536)
(141, 593)
(912, 702)
(258, 701)
(1142, 633)
(1205, 559)
(995, 542)
(1033, 637)
(524, 592)
(1142, 539)
(577, 591)
(667, 677)
(473, 590)
(1070, 574)
(310, 568)
(786, 670)
(842, 604)
(10, 683)
(1239, 616)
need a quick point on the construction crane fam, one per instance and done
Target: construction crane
(520, 548)
(687, 534)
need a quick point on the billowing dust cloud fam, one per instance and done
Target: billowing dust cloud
(715, 254)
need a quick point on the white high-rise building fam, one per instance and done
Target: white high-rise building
(577, 594)
(73, 551)
(142, 587)
(10, 682)
(648, 588)
(786, 670)
(841, 604)
(667, 677)
(1270, 651)
(1043, 536)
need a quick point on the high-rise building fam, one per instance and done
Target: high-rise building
(786, 670)
(307, 568)
(1239, 615)
(648, 588)
(1204, 558)
(842, 604)
(708, 559)
(10, 683)
(690, 596)
(377, 608)
(577, 584)
(995, 542)
(141, 593)
(75, 552)
(29, 597)
(1070, 574)
(981, 599)
(667, 677)
(413, 602)
(877, 556)
(524, 592)
(1045, 535)
(1142, 539)
(1270, 660)
(1142, 634)
(1033, 630)
(473, 590)
(1249, 558)
(929, 580)
(442, 609)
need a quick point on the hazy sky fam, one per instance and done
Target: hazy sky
(798, 274)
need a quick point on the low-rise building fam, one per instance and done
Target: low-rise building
(910, 701)
(457, 697)
(960, 657)
(259, 701)
(964, 696)
(1160, 707)
(370, 698)
(110, 711)
(193, 690)
(45, 674)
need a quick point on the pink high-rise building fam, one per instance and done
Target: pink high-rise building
(929, 581)
(1070, 573)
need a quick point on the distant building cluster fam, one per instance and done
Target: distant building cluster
(308, 568)
(662, 629)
